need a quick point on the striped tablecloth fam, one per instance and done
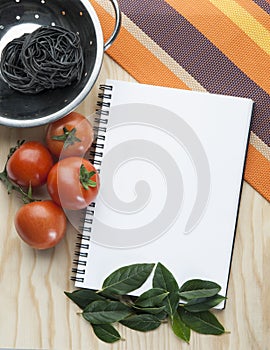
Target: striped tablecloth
(219, 46)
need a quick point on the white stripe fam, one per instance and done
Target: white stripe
(260, 146)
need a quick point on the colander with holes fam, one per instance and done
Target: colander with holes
(24, 16)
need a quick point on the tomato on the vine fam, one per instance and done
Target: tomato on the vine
(29, 164)
(69, 136)
(41, 224)
(73, 183)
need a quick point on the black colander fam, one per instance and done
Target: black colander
(24, 16)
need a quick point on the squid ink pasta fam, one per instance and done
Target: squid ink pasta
(48, 58)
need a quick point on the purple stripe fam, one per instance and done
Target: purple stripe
(263, 5)
(199, 57)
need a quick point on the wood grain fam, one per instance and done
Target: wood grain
(35, 314)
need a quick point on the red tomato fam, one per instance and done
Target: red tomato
(69, 184)
(41, 224)
(30, 164)
(70, 136)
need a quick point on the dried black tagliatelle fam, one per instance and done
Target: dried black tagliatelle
(48, 58)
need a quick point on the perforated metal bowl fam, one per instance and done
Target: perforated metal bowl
(24, 16)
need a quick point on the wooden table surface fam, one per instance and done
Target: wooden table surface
(35, 314)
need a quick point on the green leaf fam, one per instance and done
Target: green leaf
(109, 295)
(127, 278)
(142, 323)
(164, 279)
(104, 311)
(162, 315)
(125, 299)
(180, 329)
(197, 288)
(106, 332)
(150, 310)
(203, 304)
(152, 297)
(83, 297)
(202, 322)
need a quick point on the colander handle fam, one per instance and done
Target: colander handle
(116, 26)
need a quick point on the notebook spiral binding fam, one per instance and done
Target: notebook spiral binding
(95, 157)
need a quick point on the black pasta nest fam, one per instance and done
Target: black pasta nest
(48, 58)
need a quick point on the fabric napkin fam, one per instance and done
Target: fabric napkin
(219, 46)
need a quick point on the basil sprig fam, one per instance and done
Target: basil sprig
(186, 308)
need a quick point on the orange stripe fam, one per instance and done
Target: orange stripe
(129, 52)
(256, 11)
(229, 38)
(257, 172)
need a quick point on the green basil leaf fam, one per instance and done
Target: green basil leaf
(106, 332)
(104, 311)
(202, 322)
(152, 297)
(180, 329)
(83, 297)
(171, 303)
(108, 295)
(127, 278)
(164, 279)
(142, 323)
(162, 315)
(203, 304)
(149, 310)
(197, 288)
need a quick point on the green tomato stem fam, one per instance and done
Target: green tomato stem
(85, 178)
(68, 137)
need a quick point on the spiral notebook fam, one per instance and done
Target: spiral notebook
(171, 167)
